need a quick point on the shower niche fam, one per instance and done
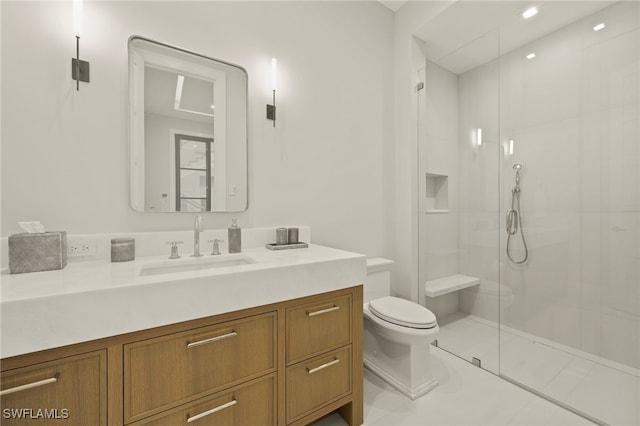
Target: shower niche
(437, 193)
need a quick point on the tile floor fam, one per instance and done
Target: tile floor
(609, 394)
(465, 395)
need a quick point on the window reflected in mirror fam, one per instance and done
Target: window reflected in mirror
(195, 180)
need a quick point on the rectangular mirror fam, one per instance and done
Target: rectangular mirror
(188, 130)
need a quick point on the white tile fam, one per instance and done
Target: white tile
(609, 395)
(621, 336)
(468, 338)
(562, 417)
(380, 399)
(600, 391)
(440, 247)
(466, 395)
(530, 363)
(569, 378)
(542, 412)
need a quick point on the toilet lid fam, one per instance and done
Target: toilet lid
(402, 312)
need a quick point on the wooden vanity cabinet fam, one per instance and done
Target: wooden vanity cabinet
(317, 382)
(166, 371)
(288, 363)
(252, 403)
(68, 391)
(319, 354)
(316, 327)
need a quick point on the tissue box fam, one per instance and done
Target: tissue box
(37, 252)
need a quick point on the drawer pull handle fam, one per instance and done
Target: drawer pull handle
(323, 311)
(211, 340)
(213, 410)
(29, 386)
(323, 366)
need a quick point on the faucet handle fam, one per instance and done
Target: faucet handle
(174, 249)
(216, 247)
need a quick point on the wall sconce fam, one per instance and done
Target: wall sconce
(271, 109)
(79, 69)
(479, 136)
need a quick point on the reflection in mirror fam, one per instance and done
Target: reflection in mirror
(188, 130)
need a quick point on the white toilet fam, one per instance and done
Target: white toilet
(397, 334)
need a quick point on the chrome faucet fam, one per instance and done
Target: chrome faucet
(174, 249)
(216, 247)
(198, 227)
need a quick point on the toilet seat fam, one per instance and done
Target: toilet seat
(402, 312)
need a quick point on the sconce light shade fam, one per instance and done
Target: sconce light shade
(77, 18)
(79, 69)
(271, 109)
(479, 136)
(274, 73)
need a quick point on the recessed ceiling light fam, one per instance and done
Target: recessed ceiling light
(599, 27)
(531, 55)
(532, 11)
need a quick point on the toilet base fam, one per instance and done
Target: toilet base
(399, 355)
(413, 393)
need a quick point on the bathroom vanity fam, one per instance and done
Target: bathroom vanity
(273, 340)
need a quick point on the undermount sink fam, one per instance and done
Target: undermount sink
(190, 264)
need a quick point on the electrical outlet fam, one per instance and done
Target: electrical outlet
(81, 248)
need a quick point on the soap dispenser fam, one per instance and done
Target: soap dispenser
(235, 237)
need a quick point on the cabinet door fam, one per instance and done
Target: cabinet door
(317, 382)
(69, 391)
(251, 404)
(165, 372)
(317, 327)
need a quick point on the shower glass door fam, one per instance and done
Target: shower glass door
(458, 202)
(569, 318)
(528, 204)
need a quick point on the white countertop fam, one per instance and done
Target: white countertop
(91, 300)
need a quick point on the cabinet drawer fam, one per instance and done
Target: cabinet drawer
(249, 404)
(70, 391)
(168, 371)
(319, 381)
(318, 327)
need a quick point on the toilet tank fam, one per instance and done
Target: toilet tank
(378, 278)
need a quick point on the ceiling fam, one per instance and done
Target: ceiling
(161, 94)
(465, 35)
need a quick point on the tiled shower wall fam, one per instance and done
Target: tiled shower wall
(573, 114)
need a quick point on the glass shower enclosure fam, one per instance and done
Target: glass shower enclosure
(529, 201)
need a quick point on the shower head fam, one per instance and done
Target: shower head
(517, 167)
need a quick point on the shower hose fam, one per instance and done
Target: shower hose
(514, 220)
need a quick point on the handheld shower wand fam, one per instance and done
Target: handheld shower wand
(514, 219)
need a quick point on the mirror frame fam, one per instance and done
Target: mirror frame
(136, 153)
